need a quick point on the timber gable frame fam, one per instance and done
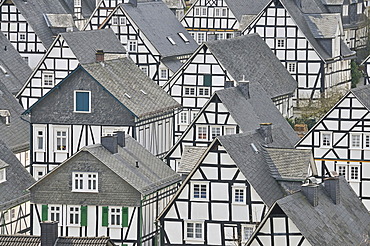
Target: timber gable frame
(208, 198)
(131, 188)
(117, 96)
(63, 56)
(339, 141)
(152, 36)
(315, 55)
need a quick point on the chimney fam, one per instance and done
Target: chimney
(121, 138)
(266, 132)
(332, 188)
(311, 191)
(243, 86)
(133, 2)
(99, 56)
(228, 84)
(110, 143)
(49, 233)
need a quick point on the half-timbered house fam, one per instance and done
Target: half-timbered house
(222, 18)
(229, 111)
(231, 187)
(14, 199)
(152, 36)
(13, 130)
(314, 54)
(13, 69)
(177, 7)
(319, 214)
(67, 51)
(366, 71)
(114, 189)
(96, 100)
(81, 10)
(31, 26)
(340, 141)
(222, 63)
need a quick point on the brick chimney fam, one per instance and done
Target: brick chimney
(49, 233)
(99, 56)
(266, 132)
(311, 191)
(228, 84)
(121, 138)
(110, 143)
(331, 186)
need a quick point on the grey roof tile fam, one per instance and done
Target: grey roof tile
(246, 7)
(83, 241)
(323, 25)
(346, 223)
(21, 240)
(363, 94)
(250, 56)
(190, 157)
(157, 22)
(13, 190)
(125, 81)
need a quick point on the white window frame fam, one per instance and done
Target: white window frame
(171, 40)
(76, 215)
(280, 43)
(114, 20)
(86, 181)
(203, 11)
(350, 166)
(364, 141)
(243, 189)
(197, 11)
(206, 133)
(213, 133)
(244, 240)
(352, 146)
(183, 37)
(232, 128)
(194, 114)
(48, 77)
(200, 184)
(322, 145)
(184, 118)
(145, 70)
(291, 67)
(342, 166)
(194, 238)
(75, 102)
(55, 211)
(201, 40)
(2, 175)
(115, 214)
(359, 8)
(77, 3)
(61, 129)
(122, 20)
(132, 46)
(345, 10)
(39, 169)
(203, 91)
(20, 34)
(190, 90)
(163, 73)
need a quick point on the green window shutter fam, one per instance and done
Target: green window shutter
(44, 212)
(105, 216)
(207, 80)
(83, 216)
(124, 217)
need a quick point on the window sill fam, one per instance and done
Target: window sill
(199, 200)
(39, 151)
(239, 204)
(85, 191)
(74, 226)
(82, 112)
(190, 240)
(61, 151)
(354, 181)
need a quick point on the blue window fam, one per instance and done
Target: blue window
(82, 101)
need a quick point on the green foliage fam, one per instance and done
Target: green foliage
(355, 73)
(302, 120)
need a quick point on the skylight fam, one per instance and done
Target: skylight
(171, 40)
(142, 91)
(127, 95)
(183, 37)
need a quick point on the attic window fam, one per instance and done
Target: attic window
(142, 91)
(2, 175)
(3, 70)
(183, 37)
(127, 95)
(254, 148)
(5, 116)
(171, 40)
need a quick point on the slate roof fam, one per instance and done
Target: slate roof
(289, 164)
(157, 22)
(346, 223)
(19, 240)
(175, 4)
(246, 7)
(88, 7)
(16, 69)
(13, 190)
(250, 56)
(323, 25)
(136, 91)
(190, 157)
(101, 39)
(16, 134)
(363, 95)
(33, 11)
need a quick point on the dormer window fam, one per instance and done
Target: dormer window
(82, 102)
(2, 175)
(5, 116)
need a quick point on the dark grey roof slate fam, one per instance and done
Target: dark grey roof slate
(190, 157)
(152, 174)
(347, 223)
(312, 6)
(19, 240)
(250, 56)
(246, 7)
(59, 20)
(172, 63)
(16, 135)
(83, 241)
(17, 71)
(175, 4)
(323, 25)
(88, 7)
(363, 94)
(3, 164)
(125, 81)
(101, 39)
(157, 22)
(33, 11)
(258, 108)
(13, 190)
(253, 164)
(289, 163)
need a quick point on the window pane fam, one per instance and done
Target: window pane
(82, 101)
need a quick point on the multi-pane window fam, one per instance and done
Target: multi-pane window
(215, 131)
(204, 11)
(189, 91)
(2, 175)
(239, 195)
(202, 132)
(197, 11)
(85, 181)
(21, 36)
(203, 91)
(54, 213)
(132, 46)
(355, 140)
(201, 37)
(115, 216)
(194, 230)
(48, 79)
(326, 139)
(184, 117)
(342, 170)
(353, 172)
(122, 20)
(115, 20)
(40, 140)
(61, 140)
(77, 3)
(291, 67)
(200, 191)
(230, 130)
(247, 231)
(163, 73)
(367, 141)
(73, 215)
(220, 12)
(145, 70)
(280, 43)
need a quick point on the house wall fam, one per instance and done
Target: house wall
(15, 220)
(101, 13)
